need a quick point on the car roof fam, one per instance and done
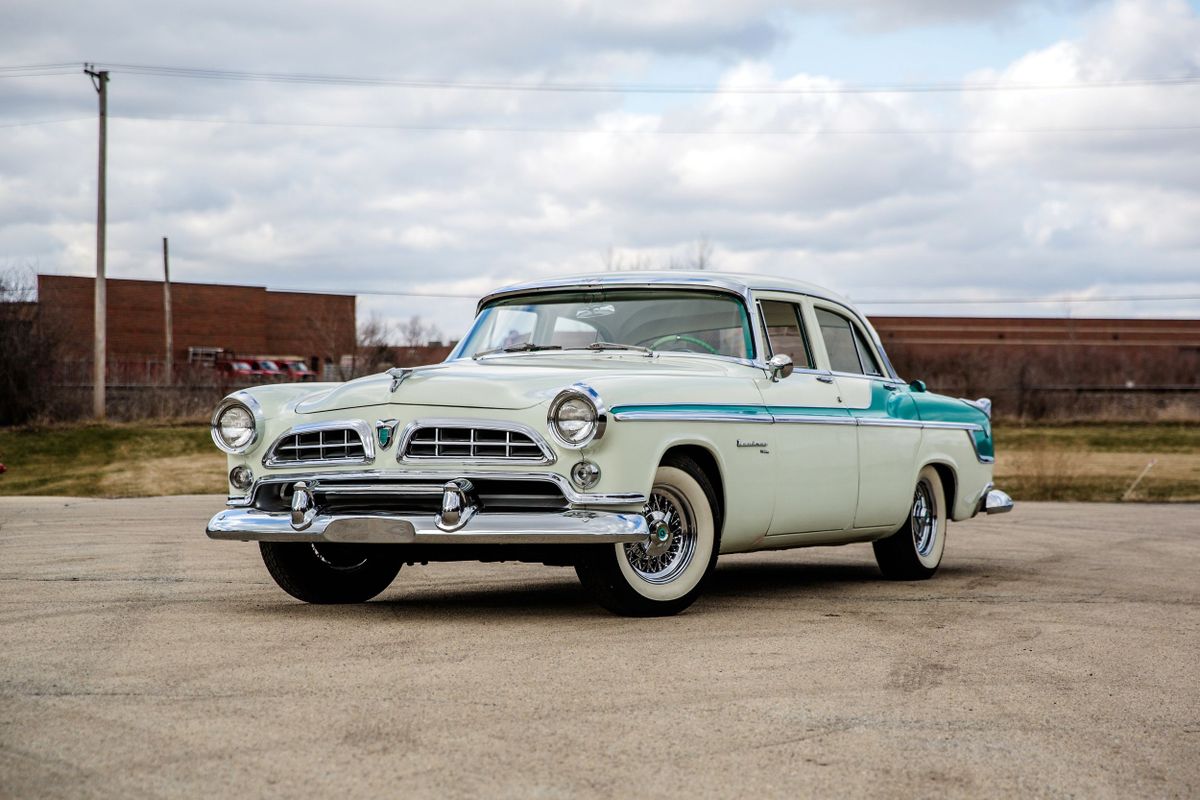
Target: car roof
(741, 283)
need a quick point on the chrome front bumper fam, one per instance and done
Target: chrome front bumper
(566, 527)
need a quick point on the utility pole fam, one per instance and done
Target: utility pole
(167, 311)
(100, 81)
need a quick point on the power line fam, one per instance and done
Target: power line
(197, 73)
(658, 131)
(32, 122)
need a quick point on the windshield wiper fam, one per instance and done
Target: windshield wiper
(524, 347)
(616, 346)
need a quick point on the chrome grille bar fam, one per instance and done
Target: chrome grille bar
(329, 442)
(479, 441)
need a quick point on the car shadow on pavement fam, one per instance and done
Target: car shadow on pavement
(559, 595)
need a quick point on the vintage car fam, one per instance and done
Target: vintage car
(632, 426)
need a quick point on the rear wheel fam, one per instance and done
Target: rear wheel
(666, 573)
(914, 552)
(319, 572)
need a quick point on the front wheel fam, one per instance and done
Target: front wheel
(317, 572)
(664, 574)
(914, 552)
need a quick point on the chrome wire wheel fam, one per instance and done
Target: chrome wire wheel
(672, 542)
(342, 557)
(924, 519)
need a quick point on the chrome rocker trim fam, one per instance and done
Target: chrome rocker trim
(568, 527)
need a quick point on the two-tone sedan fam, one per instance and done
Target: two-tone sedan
(632, 426)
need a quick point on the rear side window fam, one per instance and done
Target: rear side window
(785, 332)
(847, 349)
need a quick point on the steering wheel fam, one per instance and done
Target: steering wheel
(683, 337)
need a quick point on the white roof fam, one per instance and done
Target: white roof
(742, 283)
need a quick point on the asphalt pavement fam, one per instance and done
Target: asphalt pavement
(1056, 653)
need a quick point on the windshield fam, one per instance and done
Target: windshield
(662, 320)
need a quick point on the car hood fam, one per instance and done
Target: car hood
(503, 382)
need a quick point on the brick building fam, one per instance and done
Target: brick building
(241, 320)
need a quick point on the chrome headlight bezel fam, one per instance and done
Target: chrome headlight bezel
(590, 397)
(244, 401)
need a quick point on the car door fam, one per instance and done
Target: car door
(816, 455)
(889, 432)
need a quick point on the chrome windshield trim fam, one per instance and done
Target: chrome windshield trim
(573, 496)
(710, 283)
(548, 457)
(360, 427)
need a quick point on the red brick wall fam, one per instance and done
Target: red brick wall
(244, 319)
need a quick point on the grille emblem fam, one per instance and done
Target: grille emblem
(385, 431)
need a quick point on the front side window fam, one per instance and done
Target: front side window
(663, 320)
(845, 345)
(785, 332)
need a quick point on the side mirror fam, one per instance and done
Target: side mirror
(918, 386)
(780, 366)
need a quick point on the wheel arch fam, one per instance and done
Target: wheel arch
(949, 476)
(707, 461)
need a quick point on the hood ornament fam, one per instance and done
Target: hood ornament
(385, 431)
(399, 376)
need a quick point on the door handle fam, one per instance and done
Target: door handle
(825, 378)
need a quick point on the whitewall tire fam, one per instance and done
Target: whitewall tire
(666, 573)
(915, 551)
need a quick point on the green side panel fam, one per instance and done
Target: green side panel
(894, 404)
(940, 408)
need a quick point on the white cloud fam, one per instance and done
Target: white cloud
(870, 214)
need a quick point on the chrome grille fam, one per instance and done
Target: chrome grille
(335, 444)
(475, 443)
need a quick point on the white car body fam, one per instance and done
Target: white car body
(798, 456)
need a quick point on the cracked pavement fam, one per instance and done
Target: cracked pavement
(1055, 654)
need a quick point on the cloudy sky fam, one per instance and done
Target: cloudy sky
(906, 150)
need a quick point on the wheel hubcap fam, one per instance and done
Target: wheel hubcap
(671, 544)
(924, 519)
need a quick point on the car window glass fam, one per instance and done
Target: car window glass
(839, 342)
(870, 365)
(574, 333)
(512, 327)
(785, 334)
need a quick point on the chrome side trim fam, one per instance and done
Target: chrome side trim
(410, 430)
(568, 527)
(357, 425)
(813, 419)
(695, 416)
(574, 497)
(953, 426)
(887, 422)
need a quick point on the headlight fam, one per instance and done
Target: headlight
(576, 416)
(234, 427)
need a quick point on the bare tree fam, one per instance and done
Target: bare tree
(28, 350)
(373, 352)
(415, 333)
(615, 260)
(698, 256)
